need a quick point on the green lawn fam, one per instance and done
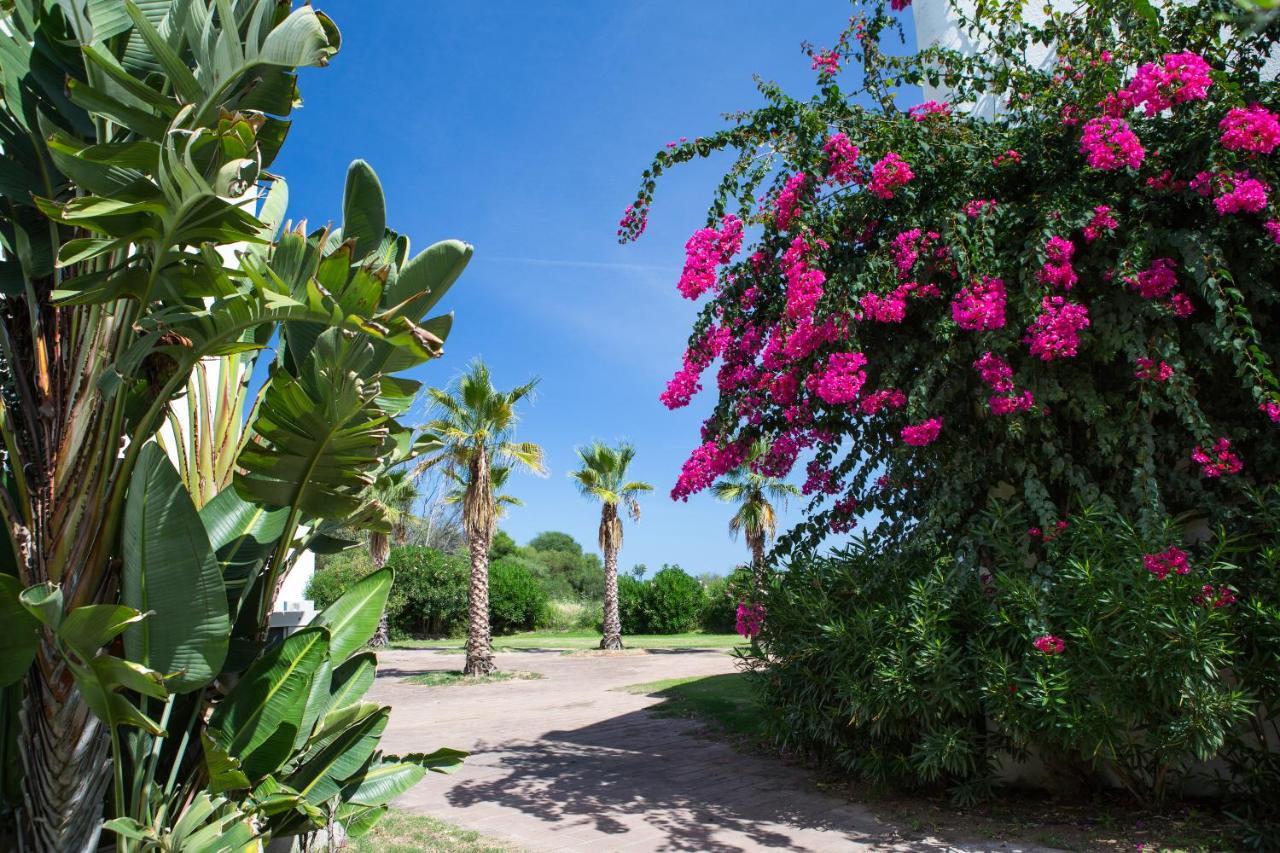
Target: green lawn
(401, 832)
(583, 640)
(450, 678)
(726, 701)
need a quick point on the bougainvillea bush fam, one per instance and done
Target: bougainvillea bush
(1073, 301)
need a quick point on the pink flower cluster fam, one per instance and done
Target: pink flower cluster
(842, 379)
(1218, 460)
(1157, 280)
(1049, 644)
(707, 249)
(634, 221)
(787, 204)
(685, 384)
(1180, 78)
(1055, 333)
(1243, 194)
(750, 619)
(1150, 371)
(884, 309)
(704, 466)
(890, 398)
(1254, 129)
(1057, 270)
(826, 63)
(1271, 409)
(842, 160)
(1109, 144)
(1181, 305)
(980, 306)
(976, 207)
(804, 283)
(1172, 559)
(842, 514)
(921, 112)
(998, 376)
(1102, 221)
(1222, 596)
(889, 174)
(1272, 227)
(1012, 157)
(922, 434)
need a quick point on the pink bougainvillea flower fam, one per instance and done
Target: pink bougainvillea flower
(750, 619)
(1109, 144)
(1181, 305)
(1151, 371)
(1242, 193)
(842, 378)
(707, 249)
(1055, 333)
(995, 372)
(826, 63)
(804, 282)
(889, 174)
(922, 434)
(1102, 221)
(976, 207)
(1272, 227)
(1171, 560)
(1049, 644)
(1180, 78)
(1011, 404)
(980, 306)
(1057, 270)
(884, 309)
(1218, 460)
(708, 462)
(1271, 408)
(787, 206)
(889, 398)
(842, 160)
(1253, 129)
(1157, 280)
(921, 112)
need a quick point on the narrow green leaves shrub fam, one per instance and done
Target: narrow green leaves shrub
(516, 599)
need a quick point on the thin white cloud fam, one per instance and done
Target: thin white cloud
(607, 265)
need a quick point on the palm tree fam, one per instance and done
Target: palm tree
(395, 491)
(756, 496)
(602, 477)
(475, 426)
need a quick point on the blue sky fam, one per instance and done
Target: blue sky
(522, 128)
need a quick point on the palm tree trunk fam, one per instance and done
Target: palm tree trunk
(757, 562)
(380, 550)
(479, 637)
(612, 639)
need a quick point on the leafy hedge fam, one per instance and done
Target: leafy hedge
(1097, 648)
(671, 602)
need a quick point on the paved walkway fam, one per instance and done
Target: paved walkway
(570, 763)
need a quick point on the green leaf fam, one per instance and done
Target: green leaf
(44, 602)
(223, 770)
(21, 633)
(426, 277)
(91, 626)
(352, 680)
(381, 783)
(242, 535)
(320, 777)
(170, 570)
(443, 760)
(260, 717)
(364, 210)
(354, 617)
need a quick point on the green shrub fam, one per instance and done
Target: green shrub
(672, 602)
(516, 600)
(428, 597)
(570, 614)
(720, 609)
(631, 606)
(922, 670)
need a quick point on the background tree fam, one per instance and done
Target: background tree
(756, 496)
(396, 491)
(602, 477)
(475, 425)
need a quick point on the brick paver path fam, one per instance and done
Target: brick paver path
(570, 763)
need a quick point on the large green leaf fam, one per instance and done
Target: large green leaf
(364, 210)
(170, 571)
(352, 680)
(242, 535)
(381, 783)
(426, 277)
(260, 717)
(320, 778)
(21, 632)
(354, 617)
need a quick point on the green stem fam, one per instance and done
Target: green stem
(117, 772)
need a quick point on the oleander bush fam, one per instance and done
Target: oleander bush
(1105, 655)
(516, 599)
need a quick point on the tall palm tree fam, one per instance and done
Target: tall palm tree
(475, 425)
(756, 496)
(603, 477)
(396, 491)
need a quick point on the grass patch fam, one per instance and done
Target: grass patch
(401, 832)
(448, 678)
(726, 701)
(581, 640)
